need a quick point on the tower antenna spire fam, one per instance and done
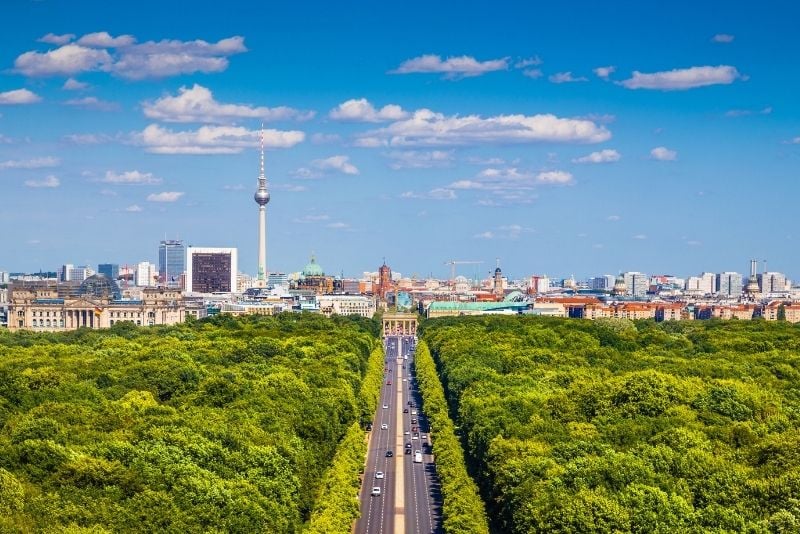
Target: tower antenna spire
(261, 173)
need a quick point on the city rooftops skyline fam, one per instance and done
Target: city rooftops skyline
(604, 151)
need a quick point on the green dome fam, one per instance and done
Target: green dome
(313, 268)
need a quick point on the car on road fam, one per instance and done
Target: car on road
(408, 451)
(369, 427)
(413, 421)
(385, 406)
(406, 433)
(388, 382)
(376, 491)
(414, 437)
(389, 454)
(405, 410)
(379, 474)
(413, 412)
(384, 426)
(417, 457)
(424, 436)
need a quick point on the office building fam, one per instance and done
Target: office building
(64, 272)
(110, 270)
(771, 282)
(729, 284)
(602, 283)
(704, 284)
(278, 279)
(145, 274)
(636, 283)
(4, 277)
(211, 270)
(171, 262)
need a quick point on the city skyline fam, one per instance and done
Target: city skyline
(537, 138)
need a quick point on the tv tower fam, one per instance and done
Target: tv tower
(262, 199)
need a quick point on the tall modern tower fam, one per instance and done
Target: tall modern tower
(262, 199)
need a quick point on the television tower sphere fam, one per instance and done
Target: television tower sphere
(261, 196)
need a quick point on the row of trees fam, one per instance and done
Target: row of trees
(619, 426)
(226, 424)
(462, 509)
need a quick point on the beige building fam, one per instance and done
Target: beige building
(41, 309)
(346, 305)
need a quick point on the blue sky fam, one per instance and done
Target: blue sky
(582, 138)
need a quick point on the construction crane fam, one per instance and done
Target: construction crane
(453, 263)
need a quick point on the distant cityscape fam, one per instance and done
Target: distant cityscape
(196, 282)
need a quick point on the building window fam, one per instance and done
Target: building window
(112, 322)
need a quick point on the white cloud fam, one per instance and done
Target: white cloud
(419, 159)
(36, 163)
(166, 196)
(603, 156)
(661, 153)
(311, 218)
(19, 96)
(439, 193)
(212, 139)
(681, 79)
(234, 187)
(426, 128)
(49, 182)
(130, 178)
(338, 225)
(509, 231)
(88, 139)
(604, 72)
(129, 60)
(292, 188)
(104, 40)
(793, 141)
(134, 208)
(74, 85)
(67, 60)
(613, 218)
(361, 110)
(484, 235)
(746, 112)
(528, 62)
(59, 40)
(723, 38)
(452, 67)
(91, 102)
(554, 177)
(323, 138)
(565, 77)
(640, 236)
(533, 73)
(319, 167)
(197, 104)
(486, 161)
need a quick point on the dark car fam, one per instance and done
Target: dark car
(389, 454)
(413, 421)
(369, 427)
(405, 410)
(408, 450)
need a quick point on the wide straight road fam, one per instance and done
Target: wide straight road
(410, 498)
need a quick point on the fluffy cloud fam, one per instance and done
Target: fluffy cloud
(745, 112)
(681, 79)
(36, 163)
(528, 62)
(723, 38)
(484, 235)
(319, 167)
(554, 177)
(603, 156)
(604, 72)
(122, 57)
(87, 139)
(361, 110)
(134, 208)
(426, 128)
(197, 104)
(439, 193)
(419, 159)
(640, 236)
(452, 67)
(166, 196)
(49, 182)
(19, 96)
(59, 40)
(565, 77)
(661, 153)
(130, 178)
(212, 139)
(338, 225)
(104, 40)
(533, 73)
(74, 85)
(91, 102)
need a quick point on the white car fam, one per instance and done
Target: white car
(384, 426)
(413, 412)
(385, 406)
(414, 437)
(424, 436)
(406, 433)
(405, 380)
(376, 491)
(379, 474)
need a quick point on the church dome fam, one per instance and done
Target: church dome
(313, 268)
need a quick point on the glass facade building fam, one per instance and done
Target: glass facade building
(171, 262)
(109, 270)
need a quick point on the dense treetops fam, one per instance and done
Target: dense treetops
(618, 426)
(222, 425)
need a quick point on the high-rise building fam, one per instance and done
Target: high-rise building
(64, 272)
(262, 199)
(278, 279)
(602, 283)
(4, 277)
(110, 270)
(211, 270)
(772, 282)
(171, 262)
(145, 274)
(703, 284)
(636, 283)
(78, 274)
(729, 284)
(538, 284)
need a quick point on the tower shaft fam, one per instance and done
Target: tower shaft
(262, 242)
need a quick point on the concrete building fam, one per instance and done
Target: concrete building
(636, 283)
(539, 285)
(171, 262)
(41, 309)
(701, 285)
(772, 283)
(346, 305)
(4, 277)
(729, 284)
(602, 283)
(145, 274)
(211, 270)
